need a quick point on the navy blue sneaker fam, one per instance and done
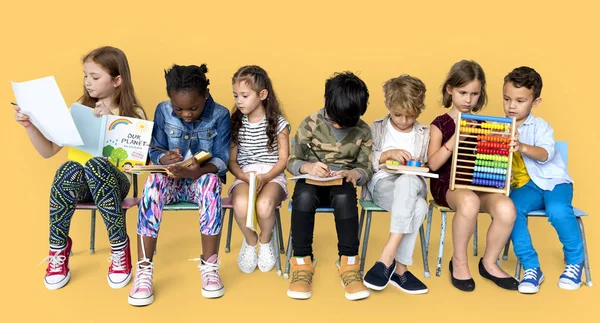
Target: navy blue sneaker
(408, 283)
(571, 277)
(532, 279)
(378, 277)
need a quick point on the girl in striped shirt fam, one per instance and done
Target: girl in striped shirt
(260, 144)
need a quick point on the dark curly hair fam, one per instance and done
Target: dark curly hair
(257, 79)
(527, 77)
(190, 78)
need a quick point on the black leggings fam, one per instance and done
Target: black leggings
(305, 201)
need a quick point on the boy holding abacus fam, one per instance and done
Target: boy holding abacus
(540, 181)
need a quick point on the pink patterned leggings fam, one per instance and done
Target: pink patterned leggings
(161, 189)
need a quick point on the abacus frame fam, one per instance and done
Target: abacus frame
(458, 144)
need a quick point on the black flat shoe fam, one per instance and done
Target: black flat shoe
(507, 282)
(466, 285)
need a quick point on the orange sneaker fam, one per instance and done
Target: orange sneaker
(349, 269)
(303, 270)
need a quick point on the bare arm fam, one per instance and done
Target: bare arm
(437, 154)
(283, 144)
(233, 165)
(44, 147)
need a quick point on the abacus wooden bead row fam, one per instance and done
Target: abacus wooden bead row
(481, 159)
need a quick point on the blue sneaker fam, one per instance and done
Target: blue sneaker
(532, 279)
(571, 277)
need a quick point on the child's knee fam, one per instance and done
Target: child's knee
(97, 164)
(240, 207)
(468, 204)
(504, 211)
(406, 181)
(558, 212)
(69, 167)
(304, 200)
(265, 208)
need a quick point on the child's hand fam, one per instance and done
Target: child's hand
(352, 176)
(101, 109)
(399, 155)
(171, 157)
(22, 119)
(317, 169)
(263, 180)
(515, 145)
(191, 171)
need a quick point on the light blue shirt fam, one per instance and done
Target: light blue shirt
(551, 172)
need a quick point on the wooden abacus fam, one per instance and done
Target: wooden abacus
(481, 159)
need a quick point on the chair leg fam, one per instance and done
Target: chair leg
(475, 235)
(93, 233)
(423, 252)
(438, 269)
(518, 270)
(506, 249)
(286, 273)
(428, 235)
(279, 231)
(228, 241)
(365, 244)
(586, 263)
(361, 222)
(276, 243)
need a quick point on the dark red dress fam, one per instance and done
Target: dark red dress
(440, 186)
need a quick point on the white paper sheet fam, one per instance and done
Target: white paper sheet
(41, 100)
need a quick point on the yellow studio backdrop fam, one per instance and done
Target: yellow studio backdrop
(300, 44)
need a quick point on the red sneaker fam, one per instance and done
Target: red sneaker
(57, 272)
(119, 272)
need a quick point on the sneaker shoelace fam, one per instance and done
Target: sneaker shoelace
(530, 274)
(55, 262)
(143, 276)
(572, 271)
(118, 260)
(302, 275)
(350, 276)
(208, 271)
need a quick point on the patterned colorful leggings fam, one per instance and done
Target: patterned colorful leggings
(161, 189)
(98, 181)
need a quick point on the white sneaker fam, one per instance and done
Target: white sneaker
(266, 257)
(141, 293)
(247, 259)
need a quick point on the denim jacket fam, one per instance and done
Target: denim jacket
(210, 133)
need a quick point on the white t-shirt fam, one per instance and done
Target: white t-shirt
(395, 139)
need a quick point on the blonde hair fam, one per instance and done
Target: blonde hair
(406, 93)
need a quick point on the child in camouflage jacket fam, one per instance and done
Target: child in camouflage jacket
(341, 145)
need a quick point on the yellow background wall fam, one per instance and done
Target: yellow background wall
(300, 44)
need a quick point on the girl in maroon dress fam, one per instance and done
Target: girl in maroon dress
(464, 92)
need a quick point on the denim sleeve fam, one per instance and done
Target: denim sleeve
(159, 137)
(544, 138)
(220, 150)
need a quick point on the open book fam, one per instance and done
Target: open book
(403, 169)
(251, 217)
(320, 181)
(201, 157)
(123, 140)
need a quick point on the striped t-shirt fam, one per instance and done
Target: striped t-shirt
(252, 146)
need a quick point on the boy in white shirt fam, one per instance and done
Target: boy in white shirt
(400, 137)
